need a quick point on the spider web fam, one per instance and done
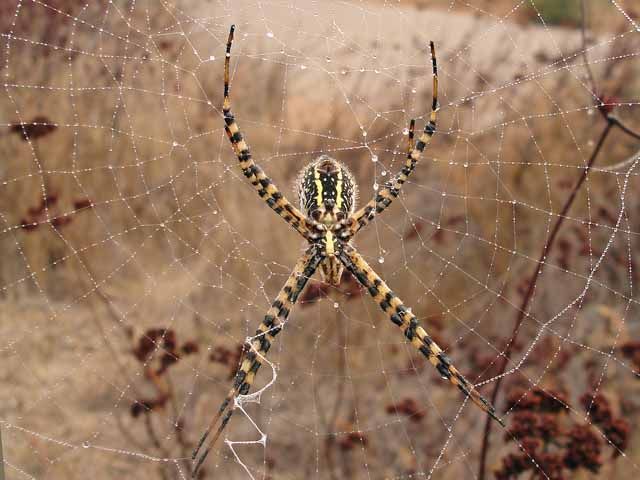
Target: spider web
(137, 260)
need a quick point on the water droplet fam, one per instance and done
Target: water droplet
(383, 173)
(86, 444)
(405, 131)
(270, 34)
(381, 260)
(364, 134)
(374, 158)
(303, 67)
(212, 58)
(376, 186)
(336, 305)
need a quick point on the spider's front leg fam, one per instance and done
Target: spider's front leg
(261, 342)
(392, 188)
(403, 317)
(261, 182)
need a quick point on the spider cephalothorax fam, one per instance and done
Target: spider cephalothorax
(328, 221)
(327, 193)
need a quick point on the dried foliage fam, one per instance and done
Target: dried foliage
(552, 444)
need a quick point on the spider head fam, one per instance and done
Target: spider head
(327, 190)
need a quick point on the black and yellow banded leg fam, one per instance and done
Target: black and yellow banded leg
(403, 317)
(392, 188)
(261, 182)
(260, 345)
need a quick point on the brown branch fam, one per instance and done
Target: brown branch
(522, 312)
(618, 123)
(612, 121)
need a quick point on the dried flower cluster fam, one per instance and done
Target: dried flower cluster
(631, 350)
(37, 216)
(408, 407)
(350, 440)
(552, 446)
(157, 349)
(228, 357)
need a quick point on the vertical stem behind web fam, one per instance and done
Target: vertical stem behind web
(522, 312)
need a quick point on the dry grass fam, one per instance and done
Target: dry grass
(174, 238)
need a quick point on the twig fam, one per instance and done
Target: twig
(618, 123)
(522, 312)
(612, 121)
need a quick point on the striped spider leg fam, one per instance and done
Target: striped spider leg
(402, 316)
(272, 324)
(261, 182)
(392, 187)
(327, 193)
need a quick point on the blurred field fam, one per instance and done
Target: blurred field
(131, 240)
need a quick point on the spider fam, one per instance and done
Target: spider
(327, 192)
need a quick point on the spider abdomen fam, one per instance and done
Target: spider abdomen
(327, 190)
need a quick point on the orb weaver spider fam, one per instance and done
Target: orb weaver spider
(327, 192)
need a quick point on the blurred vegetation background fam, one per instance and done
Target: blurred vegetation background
(137, 259)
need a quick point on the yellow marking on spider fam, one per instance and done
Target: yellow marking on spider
(420, 332)
(316, 176)
(329, 243)
(233, 127)
(339, 190)
(242, 146)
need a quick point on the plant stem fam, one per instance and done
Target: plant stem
(522, 312)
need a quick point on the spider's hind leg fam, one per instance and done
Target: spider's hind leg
(259, 346)
(402, 316)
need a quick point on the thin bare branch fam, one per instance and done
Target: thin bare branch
(523, 310)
